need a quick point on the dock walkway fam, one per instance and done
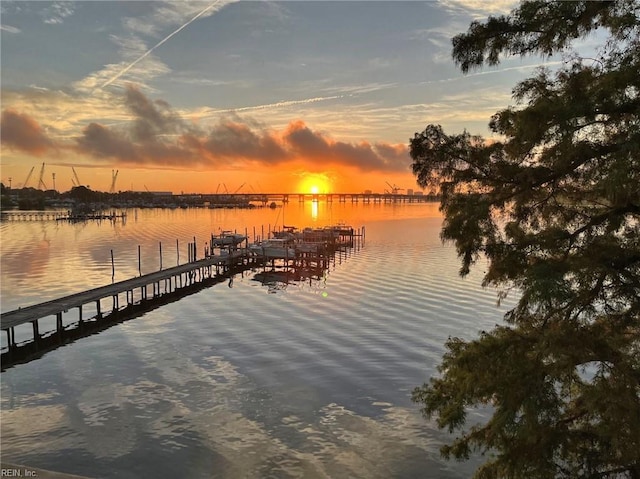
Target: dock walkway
(28, 314)
(137, 293)
(35, 329)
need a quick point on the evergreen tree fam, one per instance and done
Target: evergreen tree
(554, 207)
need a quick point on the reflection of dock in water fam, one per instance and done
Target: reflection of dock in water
(279, 278)
(33, 330)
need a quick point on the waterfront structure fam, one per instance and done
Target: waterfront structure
(101, 307)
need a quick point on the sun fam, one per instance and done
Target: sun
(314, 183)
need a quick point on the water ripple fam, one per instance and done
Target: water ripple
(313, 381)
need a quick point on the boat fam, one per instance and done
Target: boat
(319, 235)
(342, 229)
(275, 248)
(289, 233)
(227, 238)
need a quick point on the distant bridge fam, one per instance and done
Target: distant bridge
(328, 197)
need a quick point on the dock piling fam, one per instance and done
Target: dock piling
(178, 281)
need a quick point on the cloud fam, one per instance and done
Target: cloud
(55, 13)
(21, 132)
(155, 135)
(208, 10)
(280, 104)
(480, 8)
(9, 29)
(151, 118)
(310, 145)
(138, 63)
(144, 139)
(103, 142)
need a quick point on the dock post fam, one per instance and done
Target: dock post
(10, 342)
(59, 327)
(160, 242)
(177, 253)
(139, 262)
(36, 333)
(80, 317)
(98, 312)
(113, 268)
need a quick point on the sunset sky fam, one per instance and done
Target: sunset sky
(248, 96)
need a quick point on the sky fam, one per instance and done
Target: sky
(199, 97)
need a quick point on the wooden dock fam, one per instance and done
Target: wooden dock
(174, 277)
(56, 215)
(83, 313)
(121, 295)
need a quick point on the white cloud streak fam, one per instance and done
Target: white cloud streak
(9, 29)
(280, 104)
(493, 72)
(148, 52)
(480, 8)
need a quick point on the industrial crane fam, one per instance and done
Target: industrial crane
(24, 185)
(76, 182)
(394, 189)
(239, 188)
(41, 180)
(114, 177)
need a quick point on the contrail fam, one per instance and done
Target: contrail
(491, 72)
(280, 104)
(145, 54)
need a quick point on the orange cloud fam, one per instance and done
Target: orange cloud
(22, 132)
(157, 136)
(367, 157)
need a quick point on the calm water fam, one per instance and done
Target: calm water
(312, 381)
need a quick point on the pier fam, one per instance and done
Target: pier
(106, 303)
(116, 209)
(56, 215)
(365, 198)
(48, 325)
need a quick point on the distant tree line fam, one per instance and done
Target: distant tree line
(32, 198)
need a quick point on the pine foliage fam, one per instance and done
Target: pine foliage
(555, 209)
